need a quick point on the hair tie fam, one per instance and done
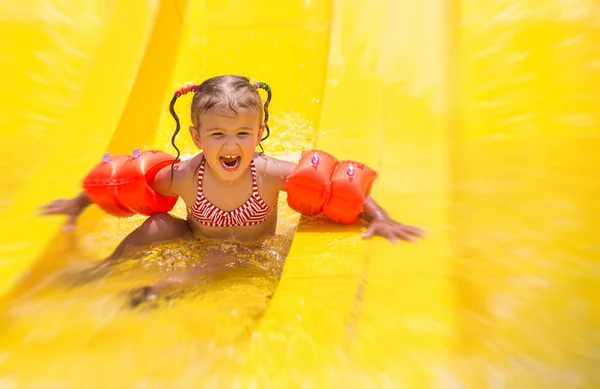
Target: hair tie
(262, 85)
(186, 89)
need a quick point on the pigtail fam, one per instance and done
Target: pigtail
(181, 91)
(263, 85)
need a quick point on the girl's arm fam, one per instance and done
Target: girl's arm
(278, 171)
(163, 184)
(380, 223)
(72, 207)
(75, 206)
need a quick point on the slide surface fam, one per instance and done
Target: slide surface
(482, 120)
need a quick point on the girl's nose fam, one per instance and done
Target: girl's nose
(230, 143)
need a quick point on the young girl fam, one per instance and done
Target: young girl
(228, 177)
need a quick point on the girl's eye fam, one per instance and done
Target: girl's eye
(243, 133)
(216, 134)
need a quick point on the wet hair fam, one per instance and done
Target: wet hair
(223, 93)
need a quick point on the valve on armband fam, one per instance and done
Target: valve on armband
(120, 184)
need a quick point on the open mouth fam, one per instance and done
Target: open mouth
(230, 162)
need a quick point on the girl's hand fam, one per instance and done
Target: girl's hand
(392, 230)
(71, 207)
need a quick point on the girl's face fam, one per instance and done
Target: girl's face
(228, 140)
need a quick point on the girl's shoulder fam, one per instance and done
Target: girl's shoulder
(170, 181)
(275, 170)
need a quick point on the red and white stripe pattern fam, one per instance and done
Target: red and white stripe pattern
(254, 211)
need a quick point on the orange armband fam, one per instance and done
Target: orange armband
(307, 186)
(321, 183)
(350, 185)
(101, 187)
(120, 185)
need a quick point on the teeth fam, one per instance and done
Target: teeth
(229, 156)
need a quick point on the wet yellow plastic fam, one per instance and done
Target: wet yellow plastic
(480, 117)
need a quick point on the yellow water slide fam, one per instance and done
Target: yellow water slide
(481, 118)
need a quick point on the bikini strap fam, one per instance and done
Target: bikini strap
(201, 176)
(254, 182)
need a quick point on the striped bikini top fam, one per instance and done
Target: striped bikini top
(254, 211)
